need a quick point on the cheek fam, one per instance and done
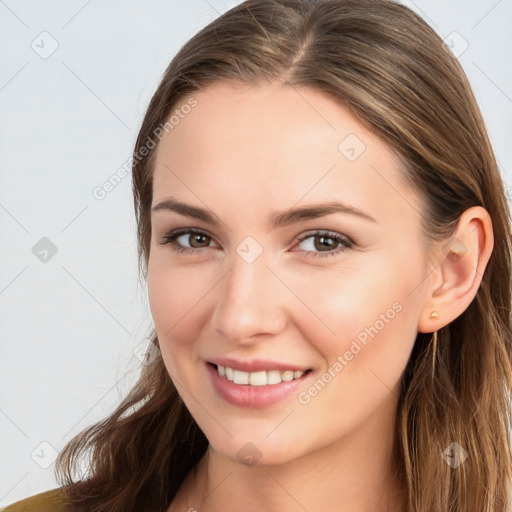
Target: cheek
(368, 316)
(365, 357)
(338, 300)
(172, 297)
(179, 298)
(173, 293)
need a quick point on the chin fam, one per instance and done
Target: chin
(251, 450)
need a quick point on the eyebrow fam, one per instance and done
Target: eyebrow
(279, 219)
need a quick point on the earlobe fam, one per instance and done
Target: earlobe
(461, 263)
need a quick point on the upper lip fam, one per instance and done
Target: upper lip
(255, 365)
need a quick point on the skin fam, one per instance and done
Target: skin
(243, 153)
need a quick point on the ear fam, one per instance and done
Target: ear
(460, 266)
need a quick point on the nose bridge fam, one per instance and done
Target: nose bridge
(249, 301)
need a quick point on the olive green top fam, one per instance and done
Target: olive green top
(48, 501)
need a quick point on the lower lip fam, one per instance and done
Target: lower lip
(255, 397)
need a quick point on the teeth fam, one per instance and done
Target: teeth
(274, 377)
(261, 378)
(287, 376)
(240, 377)
(256, 378)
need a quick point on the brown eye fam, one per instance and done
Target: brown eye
(197, 239)
(326, 243)
(177, 240)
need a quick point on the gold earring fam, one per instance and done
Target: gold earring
(434, 351)
(434, 315)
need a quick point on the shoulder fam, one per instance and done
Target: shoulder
(54, 500)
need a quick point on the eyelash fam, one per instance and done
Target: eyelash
(170, 239)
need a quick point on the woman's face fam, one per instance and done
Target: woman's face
(338, 293)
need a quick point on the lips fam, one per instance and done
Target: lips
(256, 365)
(256, 396)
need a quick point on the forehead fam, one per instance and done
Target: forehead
(279, 143)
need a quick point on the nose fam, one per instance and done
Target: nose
(250, 302)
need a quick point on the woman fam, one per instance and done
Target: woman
(326, 242)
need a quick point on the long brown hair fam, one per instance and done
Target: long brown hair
(390, 69)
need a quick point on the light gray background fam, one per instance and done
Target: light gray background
(71, 326)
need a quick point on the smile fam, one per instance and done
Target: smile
(257, 389)
(261, 378)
